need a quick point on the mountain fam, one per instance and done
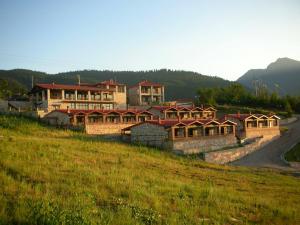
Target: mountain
(178, 84)
(283, 76)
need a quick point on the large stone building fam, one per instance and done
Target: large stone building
(146, 93)
(183, 136)
(103, 95)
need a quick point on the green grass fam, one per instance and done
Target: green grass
(294, 154)
(50, 176)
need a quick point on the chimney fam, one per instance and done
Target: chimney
(250, 112)
(201, 106)
(238, 114)
(52, 83)
(225, 117)
(68, 110)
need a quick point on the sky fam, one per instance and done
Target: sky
(222, 38)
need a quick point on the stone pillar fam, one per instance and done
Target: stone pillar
(89, 95)
(136, 118)
(204, 130)
(186, 132)
(62, 94)
(48, 94)
(74, 120)
(172, 133)
(163, 93)
(43, 95)
(257, 123)
(151, 93)
(75, 95)
(219, 129)
(140, 95)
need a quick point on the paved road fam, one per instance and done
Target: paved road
(270, 155)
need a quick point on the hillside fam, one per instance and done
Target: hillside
(282, 76)
(179, 84)
(50, 176)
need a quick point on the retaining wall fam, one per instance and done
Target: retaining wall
(229, 155)
(106, 128)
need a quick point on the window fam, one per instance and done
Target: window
(121, 89)
(82, 106)
(73, 106)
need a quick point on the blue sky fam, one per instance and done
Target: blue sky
(214, 37)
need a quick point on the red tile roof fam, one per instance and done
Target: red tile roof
(69, 87)
(110, 82)
(147, 83)
(104, 111)
(242, 117)
(163, 108)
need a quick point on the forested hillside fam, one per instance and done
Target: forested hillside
(179, 84)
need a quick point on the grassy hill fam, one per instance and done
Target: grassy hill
(282, 76)
(50, 176)
(179, 84)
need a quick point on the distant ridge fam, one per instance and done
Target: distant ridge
(283, 76)
(179, 84)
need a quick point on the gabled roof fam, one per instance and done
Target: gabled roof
(100, 111)
(147, 83)
(243, 117)
(67, 87)
(173, 123)
(109, 82)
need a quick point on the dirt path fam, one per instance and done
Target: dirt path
(270, 155)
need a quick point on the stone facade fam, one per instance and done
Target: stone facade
(105, 128)
(203, 144)
(57, 118)
(229, 155)
(149, 134)
(267, 133)
(146, 93)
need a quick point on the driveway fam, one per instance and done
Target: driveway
(269, 156)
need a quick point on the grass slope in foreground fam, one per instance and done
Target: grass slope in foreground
(50, 176)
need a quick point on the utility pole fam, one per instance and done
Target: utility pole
(32, 81)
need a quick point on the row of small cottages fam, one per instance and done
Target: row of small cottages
(82, 117)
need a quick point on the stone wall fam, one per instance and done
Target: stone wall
(57, 118)
(149, 134)
(106, 128)
(267, 133)
(203, 144)
(229, 155)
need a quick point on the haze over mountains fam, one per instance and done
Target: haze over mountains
(282, 76)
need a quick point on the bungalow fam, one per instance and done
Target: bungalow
(98, 121)
(183, 136)
(255, 125)
(184, 113)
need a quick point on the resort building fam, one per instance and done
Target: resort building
(184, 113)
(183, 136)
(255, 125)
(146, 93)
(103, 95)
